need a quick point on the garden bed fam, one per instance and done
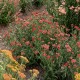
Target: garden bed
(47, 38)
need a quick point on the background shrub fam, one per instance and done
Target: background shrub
(38, 3)
(25, 5)
(6, 12)
(67, 13)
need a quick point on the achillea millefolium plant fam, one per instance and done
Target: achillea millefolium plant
(45, 43)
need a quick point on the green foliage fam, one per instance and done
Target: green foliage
(38, 3)
(6, 12)
(25, 4)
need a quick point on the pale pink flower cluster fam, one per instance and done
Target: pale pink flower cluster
(62, 10)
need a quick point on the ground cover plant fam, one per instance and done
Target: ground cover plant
(44, 42)
(6, 12)
(10, 69)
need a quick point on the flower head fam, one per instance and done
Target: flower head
(24, 59)
(22, 75)
(7, 76)
(77, 76)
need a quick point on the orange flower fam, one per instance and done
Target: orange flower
(22, 75)
(7, 76)
(9, 54)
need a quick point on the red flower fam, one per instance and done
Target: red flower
(57, 55)
(48, 56)
(78, 44)
(66, 64)
(58, 46)
(45, 46)
(44, 31)
(77, 28)
(27, 43)
(73, 60)
(44, 54)
(69, 49)
(18, 44)
(35, 13)
(40, 21)
(13, 43)
(26, 23)
(33, 29)
(33, 38)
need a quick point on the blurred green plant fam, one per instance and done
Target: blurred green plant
(6, 12)
(25, 5)
(38, 3)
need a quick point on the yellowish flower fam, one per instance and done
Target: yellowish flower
(22, 75)
(35, 71)
(9, 66)
(30, 71)
(24, 59)
(22, 67)
(12, 68)
(77, 76)
(13, 79)
(35, 75)
(9, 54)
